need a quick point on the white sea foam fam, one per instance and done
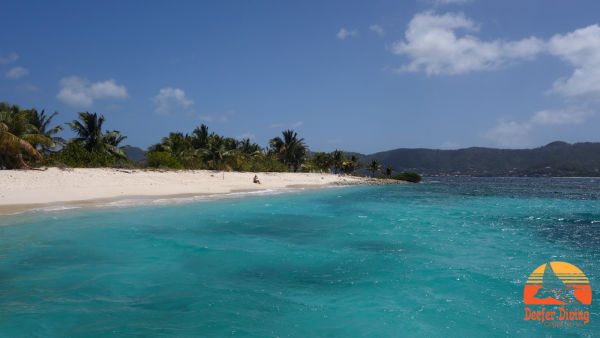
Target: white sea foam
(142, 201)
(57, 208)
(129, 202)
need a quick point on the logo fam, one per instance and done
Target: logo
(558, 284)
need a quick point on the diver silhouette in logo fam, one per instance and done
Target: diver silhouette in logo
(553, 287)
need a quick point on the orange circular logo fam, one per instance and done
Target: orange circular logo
(557, 283)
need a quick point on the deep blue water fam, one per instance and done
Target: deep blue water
(443, 258)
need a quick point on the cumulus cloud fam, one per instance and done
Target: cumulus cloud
(514, 134)
(561, 116)
(10, 58)
(377, 29)
(445, 44)
(510, 134)
(168, 100)
(17, 73)
(344, 33)
(442, 44)
(79, 92)
(580, 48)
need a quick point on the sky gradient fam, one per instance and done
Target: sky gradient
(361, 76)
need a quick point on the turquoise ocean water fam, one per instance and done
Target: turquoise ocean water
(442, 258)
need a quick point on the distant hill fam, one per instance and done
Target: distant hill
(135, 154)
(555, 159)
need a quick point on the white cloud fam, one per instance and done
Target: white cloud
(168, 100)
(79, 92)
(510, 134)
(446, 44)
(561, 116)
(344, 33)
(17, 73)
(441, 44)
(377, 29)
(513, 134)
(580, 48)
(10, 58)
(246, 136)
(286, 125)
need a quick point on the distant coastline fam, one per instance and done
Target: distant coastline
(556, 159)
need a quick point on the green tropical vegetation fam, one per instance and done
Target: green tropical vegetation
(91, 147)
(290, 149)
(388, 171)
(334, 162)
(42, 122)
(89, 134)
(374, 167)
(407, 176)
(28, 139)
(207, 150)
(19, 138)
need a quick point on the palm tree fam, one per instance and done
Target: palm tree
(217, 151)
(337, 160)
(200, 137)
(351, 164)
(248, 148)
(17, 136)
(389, 171)
(230, 143)
(321, 161)
(177, 144)
(290, 150)
(42, 122)
(112, 140)
(374, 167)
(89, 132)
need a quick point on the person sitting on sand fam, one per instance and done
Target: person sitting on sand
(256, 179)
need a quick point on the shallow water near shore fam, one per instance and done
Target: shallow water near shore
(448, 257)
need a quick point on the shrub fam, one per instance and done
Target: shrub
(162, 159)
(408, 176)
(76, 156)
(263, 163)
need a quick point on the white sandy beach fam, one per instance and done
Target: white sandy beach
(28, 189)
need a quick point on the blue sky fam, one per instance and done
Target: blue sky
(356, 75)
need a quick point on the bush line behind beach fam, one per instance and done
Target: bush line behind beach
(28, 140)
